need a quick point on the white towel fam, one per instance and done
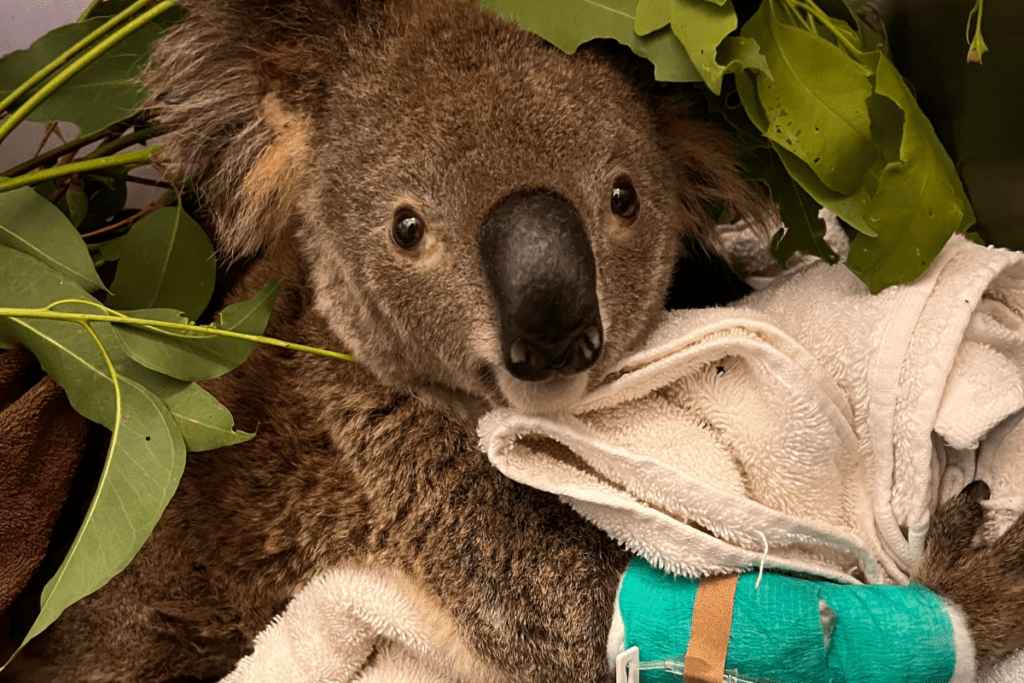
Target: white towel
(811, 418)
(350, 624)
(810, 422)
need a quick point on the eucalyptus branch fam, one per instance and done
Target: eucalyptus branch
(80, 63)
(88, 10)
(116, 145)
(55, 153)
(117, 317)
(70, 52)
(158, 204)
(115, 432)
(127, 159)
(827, 21)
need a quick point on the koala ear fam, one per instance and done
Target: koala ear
(706, 170)
(234, 84)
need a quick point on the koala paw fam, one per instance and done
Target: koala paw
(987, 582)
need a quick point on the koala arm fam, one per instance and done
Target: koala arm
(528, 584)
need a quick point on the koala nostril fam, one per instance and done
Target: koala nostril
(519, 353)
(592, 343)
(585, 351)
(536, 362)
(527, 363)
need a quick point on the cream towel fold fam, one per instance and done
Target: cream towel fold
(811, 426)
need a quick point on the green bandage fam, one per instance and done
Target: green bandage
(879, 634)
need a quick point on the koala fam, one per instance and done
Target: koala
(480, 220)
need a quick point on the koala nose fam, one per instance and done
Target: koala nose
(542, 277)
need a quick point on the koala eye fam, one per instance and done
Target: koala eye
(625, 202)
(407, 229)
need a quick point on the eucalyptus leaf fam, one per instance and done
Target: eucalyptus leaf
(919, 202)
(814, 102)
(110, 250)
(701, 27)
(107, 195)
(592, 19)
(167, 261)
(195, 355)
(204, 423)
(31, 224)
(143, 465)
(103, 93)
(78, 205)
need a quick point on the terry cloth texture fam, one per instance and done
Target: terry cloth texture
(810, 422)
(350, 624)
(41, 443)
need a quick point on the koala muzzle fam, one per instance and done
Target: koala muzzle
(541, 273)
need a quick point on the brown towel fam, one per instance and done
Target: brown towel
(41, 442)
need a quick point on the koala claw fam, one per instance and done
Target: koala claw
(987, 582)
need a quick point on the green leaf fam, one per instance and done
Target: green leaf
(78, 205)
(143, 465)
(33, 225)
(105, 92)
(204, 423)
(814, 104)
(919, 202)
(195, 356)
(592, 19)
(110, 250)
(167, 261)
(702, 27)
(107, 195)
(846, 10)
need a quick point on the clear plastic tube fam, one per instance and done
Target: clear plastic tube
(675, 666)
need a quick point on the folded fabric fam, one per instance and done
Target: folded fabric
(812, 421)
(350, 624)
(810, 428)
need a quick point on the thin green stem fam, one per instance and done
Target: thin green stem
(127, 159)
(90, 8)
(121, 318)
(80, 63)
(792, 11)
(69, 53)
(827, 21)
(55, 153)
(115, 431)
(120, 143)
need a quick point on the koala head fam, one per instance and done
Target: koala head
(481, 216)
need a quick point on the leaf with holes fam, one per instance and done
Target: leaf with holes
(919, 202)
(702, 28)
(814, 104)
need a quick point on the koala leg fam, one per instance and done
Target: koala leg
(986, 582)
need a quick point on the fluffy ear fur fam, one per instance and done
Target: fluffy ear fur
(234, 82)
(709, 182)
